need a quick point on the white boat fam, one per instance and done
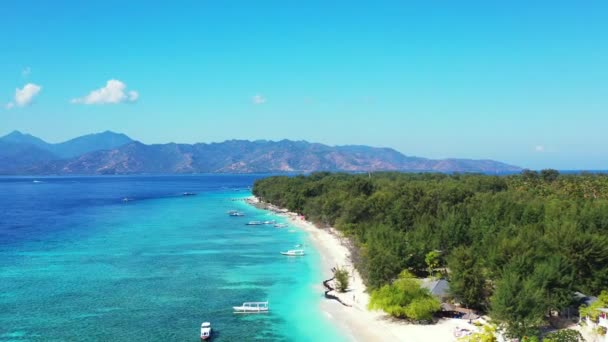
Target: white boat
(235, 213)
(270, 222)
(205, 331)
(281, 225)
(188, 194)
(254, 223)
(294, 252)
(251, 307)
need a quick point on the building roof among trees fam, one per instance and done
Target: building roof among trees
(584, 299)
(438, 288)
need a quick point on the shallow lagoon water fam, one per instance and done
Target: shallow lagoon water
(79, 264)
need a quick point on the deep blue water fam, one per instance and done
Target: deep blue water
(79, 264)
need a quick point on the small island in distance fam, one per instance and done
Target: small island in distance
(115, 153)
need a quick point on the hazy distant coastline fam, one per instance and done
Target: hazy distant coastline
(114, 153)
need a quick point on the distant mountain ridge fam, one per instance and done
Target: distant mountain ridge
(73, 147)
(114, 153)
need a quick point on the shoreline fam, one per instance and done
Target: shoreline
(357, 322)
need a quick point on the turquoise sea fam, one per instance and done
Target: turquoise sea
(77, 263)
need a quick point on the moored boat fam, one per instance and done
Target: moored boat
(294, 252)
(252, 307)
(235, 213)
(205, 331)
(254, 223)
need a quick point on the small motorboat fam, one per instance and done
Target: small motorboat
(127, 199)
(254, 223)
(188, 194)
(235, 213)
(281, 225)
(205, 331)
(270, 222)
(252, 307)
(294, 252)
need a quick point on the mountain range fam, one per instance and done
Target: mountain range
(115, 153)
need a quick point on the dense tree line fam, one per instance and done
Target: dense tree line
(515, 245)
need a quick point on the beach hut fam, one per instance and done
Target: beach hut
(455, 311)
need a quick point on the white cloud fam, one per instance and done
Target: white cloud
(24, 96)
(258, 99)
(133, 95)
(26, 71)
(114, 92)
(539, 148)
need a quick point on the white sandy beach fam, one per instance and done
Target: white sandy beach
(359, 323)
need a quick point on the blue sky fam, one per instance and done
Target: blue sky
(517, 81)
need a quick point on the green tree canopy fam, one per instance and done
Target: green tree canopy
(342, 279)
(544, 229)
(466, 278)
(518, 303)
(404, 298)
